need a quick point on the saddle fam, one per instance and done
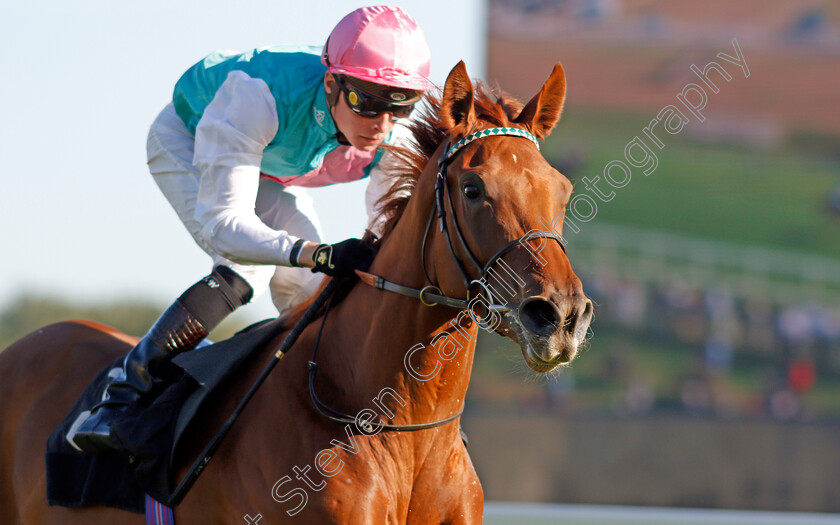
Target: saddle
(149, 436)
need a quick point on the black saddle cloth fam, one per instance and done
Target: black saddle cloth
(76, 479)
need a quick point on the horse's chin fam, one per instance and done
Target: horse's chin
(543, 354)
(536, 352)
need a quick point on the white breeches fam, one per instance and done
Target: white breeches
(170, 149)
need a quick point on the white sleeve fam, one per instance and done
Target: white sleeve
(381, 181)
(230, 138)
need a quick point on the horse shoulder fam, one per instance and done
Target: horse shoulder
(447, 486)
(405, 478)
(372, 480)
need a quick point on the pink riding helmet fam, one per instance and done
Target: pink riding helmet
(380, 44)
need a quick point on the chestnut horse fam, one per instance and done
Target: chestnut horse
(386, 357)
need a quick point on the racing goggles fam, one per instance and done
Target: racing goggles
(398, 103)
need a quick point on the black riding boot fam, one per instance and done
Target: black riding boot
(181, 327)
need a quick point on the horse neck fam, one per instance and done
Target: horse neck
(373, 330)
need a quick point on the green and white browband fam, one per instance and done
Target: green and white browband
(490, 133)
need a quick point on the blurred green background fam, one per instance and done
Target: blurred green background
(712, 376)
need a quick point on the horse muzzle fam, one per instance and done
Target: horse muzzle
(549, 331)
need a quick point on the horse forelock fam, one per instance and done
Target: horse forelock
(492, 110)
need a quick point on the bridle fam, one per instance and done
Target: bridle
(443, 195)
(431, 295)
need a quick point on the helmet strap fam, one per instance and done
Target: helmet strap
(332, 100)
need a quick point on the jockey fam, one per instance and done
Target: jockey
(232, 153)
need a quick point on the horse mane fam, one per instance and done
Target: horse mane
(407, 164)
(427, 133)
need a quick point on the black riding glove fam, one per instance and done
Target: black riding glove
(340, 260)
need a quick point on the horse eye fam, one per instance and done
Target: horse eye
(472, 191)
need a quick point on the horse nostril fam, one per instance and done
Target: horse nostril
(582, 320)
(539, 316)
(587, 309)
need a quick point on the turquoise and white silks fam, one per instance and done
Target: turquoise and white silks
(242, 128)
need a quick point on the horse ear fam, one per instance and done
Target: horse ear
(543, 111)
(456, 109)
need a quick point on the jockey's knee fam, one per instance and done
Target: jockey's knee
(217, 295)
(291, 286)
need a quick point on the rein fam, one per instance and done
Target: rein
(340, 417)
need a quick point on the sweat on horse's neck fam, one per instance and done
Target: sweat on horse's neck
(373, 330)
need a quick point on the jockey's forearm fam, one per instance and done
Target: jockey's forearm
(225, 209)
(247, 240)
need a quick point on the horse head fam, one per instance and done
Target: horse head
(501, 196)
